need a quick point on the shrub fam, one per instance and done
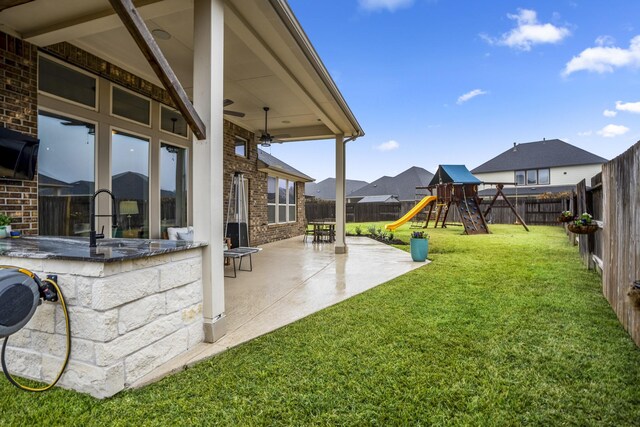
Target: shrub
(358, 230)
(372, 230)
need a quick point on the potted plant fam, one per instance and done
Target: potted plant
(565, 216)
(419, 246)
(583, 224)
(5, 226)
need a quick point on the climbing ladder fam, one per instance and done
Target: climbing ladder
(472, 218)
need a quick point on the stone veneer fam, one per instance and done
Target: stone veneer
(260, 231)
(127, 318)
(18, 111)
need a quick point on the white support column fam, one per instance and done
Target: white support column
(208, 208)
(341, 217)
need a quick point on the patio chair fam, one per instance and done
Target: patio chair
(307, 231)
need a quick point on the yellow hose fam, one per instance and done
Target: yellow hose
(68, 341)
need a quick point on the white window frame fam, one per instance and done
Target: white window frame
(237, 138)
(277, 203)
(526, 176)
(74, 68)
(124, 89)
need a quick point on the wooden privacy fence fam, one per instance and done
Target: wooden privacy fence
(355, 212)
(621, 236)
(614, 250)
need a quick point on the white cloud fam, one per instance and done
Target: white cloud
(529, 32)
(390, 5)
(632, 107)
(585, 133)
(388, 146)
(467, 96)
(610, 131)
(604, 59)
(609, 113)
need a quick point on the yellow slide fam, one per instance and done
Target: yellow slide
(413, 212)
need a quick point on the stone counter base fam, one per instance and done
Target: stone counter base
(127, 318)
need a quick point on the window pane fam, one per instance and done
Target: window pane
(543, 176)
(271, 214)
(172, 121)
(520, 177)
(282, 214)
(130, 183)
(271, 190)
(65, 175)
(292, 193)
(241, 147)
(292, 213)
(282, 191)
(58, 80)
(173, 187)
(532, 177)
(125, 104)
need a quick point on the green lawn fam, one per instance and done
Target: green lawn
(500, 329)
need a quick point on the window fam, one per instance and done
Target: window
(172, 121)
(533, 177)
(173, 186)
(543, 176)
(65, 82)
(65, 175)
(281, 208)
(130, 183)
(241, 147)
(129, 106)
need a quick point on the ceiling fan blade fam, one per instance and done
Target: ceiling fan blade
(234, 113)
(280, 135)
(227, 102)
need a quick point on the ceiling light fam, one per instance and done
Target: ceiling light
(159, 34)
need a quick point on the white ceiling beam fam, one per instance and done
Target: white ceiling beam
(103, 20)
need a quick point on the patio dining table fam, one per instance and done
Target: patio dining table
(324, 231)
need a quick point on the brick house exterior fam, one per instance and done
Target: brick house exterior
(19, 111)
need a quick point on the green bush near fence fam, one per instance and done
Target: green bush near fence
(501, 329)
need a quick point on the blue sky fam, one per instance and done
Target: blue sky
(459, 81)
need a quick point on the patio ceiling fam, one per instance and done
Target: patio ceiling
(268, 59)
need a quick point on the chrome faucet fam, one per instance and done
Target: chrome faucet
(93, 236)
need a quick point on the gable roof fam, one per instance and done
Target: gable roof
(267, 162)
(403, 185)
(539, 154)
(326, 189)
(458, 174)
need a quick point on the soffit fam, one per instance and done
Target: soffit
(263, 64)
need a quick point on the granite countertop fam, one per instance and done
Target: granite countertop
(77, 248)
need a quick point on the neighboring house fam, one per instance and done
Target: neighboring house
(547, 166)
(402, 186)
(326, 189)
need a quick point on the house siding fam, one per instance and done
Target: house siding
(565, 175)
(19, 111)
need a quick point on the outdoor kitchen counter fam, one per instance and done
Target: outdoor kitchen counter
(77, 248)
(133, 304)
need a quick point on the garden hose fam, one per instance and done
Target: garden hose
(49, 295)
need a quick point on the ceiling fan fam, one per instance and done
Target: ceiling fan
(266, 139)
(228, 102)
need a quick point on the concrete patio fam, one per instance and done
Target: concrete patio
(290, 280)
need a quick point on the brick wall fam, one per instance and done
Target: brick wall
(259, 230)
(18, 111)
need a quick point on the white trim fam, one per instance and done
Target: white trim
(246, 146)
(74, 68)
(113, 86)
(277, 204)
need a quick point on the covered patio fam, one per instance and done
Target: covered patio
(272, 295)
